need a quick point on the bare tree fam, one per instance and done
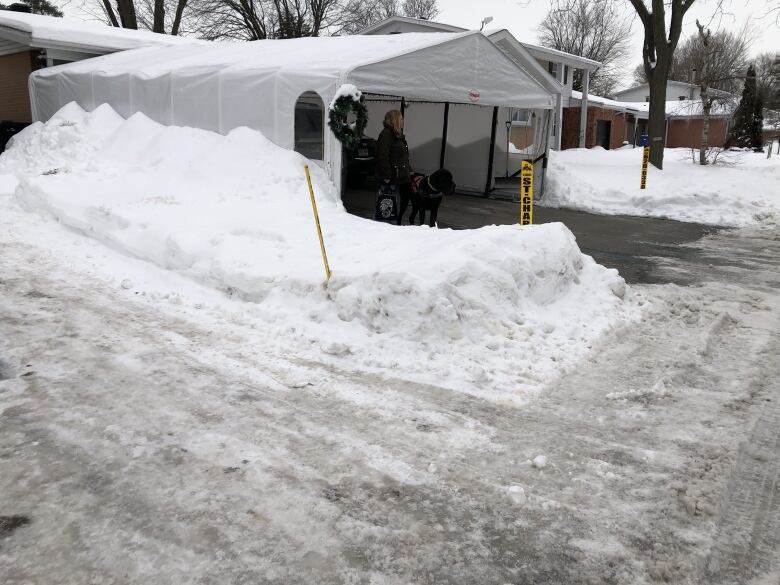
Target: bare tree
(360, 14)
(657, 53)
(767, 78)
(356, 15)
(160, 16)
(596, 29)
(725, 57)
(704, 86)
(424, 9)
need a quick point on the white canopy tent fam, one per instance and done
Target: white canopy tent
(223, 86)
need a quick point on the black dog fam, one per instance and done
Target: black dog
(428, 192)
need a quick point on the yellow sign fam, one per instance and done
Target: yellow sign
(645, 159)
(527, 193)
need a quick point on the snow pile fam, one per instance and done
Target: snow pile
(743, 192)
(493, 311)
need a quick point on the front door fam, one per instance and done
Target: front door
(603, 131)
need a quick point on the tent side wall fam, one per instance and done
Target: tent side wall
(221, 94)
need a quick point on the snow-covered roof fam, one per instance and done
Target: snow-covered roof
(639, 109)
(35, 30)
(674, 108)
(467, 67)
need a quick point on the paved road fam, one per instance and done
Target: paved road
(141, 442)
(633, 245)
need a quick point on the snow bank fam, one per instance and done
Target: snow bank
(744, 192)
(494, 312)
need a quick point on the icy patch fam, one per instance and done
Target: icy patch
(495, 312)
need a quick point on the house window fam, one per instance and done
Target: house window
(521, 117)
(553, 69)
(309, 126)
(565, 74)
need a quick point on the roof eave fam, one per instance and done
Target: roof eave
(391, 19)
(563, 57)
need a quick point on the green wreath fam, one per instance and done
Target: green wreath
(348, 133)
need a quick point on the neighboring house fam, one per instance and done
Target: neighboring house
(553, 69)
(684, 115)
(675, 90)
(610, 124)
(29, 42)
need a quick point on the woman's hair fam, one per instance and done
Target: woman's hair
(393, 119)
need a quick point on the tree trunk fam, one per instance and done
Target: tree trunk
(177, 19)
(706, 105)
(126, 10)
(158, 25)
(110, 12)
(656, 123)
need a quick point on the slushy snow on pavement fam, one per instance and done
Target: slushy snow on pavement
(743, 189)
(495, 312)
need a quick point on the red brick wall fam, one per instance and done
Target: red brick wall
(570, 137)
(686, 132)
(14, 97)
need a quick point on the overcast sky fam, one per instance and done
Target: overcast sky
(522, 18)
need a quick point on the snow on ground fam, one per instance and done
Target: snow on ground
(744, 190)
(496, 312)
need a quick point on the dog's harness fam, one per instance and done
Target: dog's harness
(421, 185)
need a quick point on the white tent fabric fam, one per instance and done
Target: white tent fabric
(38, 30)
(257, 84)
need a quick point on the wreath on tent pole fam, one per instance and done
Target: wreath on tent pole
(349, 102)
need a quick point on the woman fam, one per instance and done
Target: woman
(393, 158)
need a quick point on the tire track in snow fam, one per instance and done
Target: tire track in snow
(747, 545)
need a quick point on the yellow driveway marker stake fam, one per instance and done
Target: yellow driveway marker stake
(645, 158)
(317, 221)
(527, 193)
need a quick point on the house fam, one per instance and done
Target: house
(453, 87)
(684, 114)
(551, 68)
(29, 42)
(675, 90)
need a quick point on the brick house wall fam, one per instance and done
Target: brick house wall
(686, 132)
(15, 97)
(570, 136)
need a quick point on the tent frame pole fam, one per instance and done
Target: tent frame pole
(444, 134)
(489, 181)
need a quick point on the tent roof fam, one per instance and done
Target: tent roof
(436, 66)
(35, 30)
